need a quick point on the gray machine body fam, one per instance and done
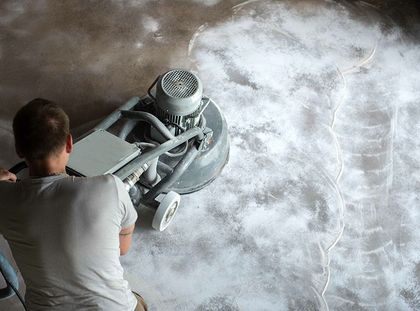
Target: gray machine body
(192, 121)
(211, 160)
(101, 153)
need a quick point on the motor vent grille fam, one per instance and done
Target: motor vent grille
(180, 84)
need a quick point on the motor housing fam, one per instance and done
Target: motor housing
(179, 99)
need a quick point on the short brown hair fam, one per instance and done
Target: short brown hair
(41, 128)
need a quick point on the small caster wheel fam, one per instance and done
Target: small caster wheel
(166, 211)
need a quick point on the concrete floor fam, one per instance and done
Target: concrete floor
(319, 205)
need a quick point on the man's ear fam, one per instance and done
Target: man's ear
(69, 144)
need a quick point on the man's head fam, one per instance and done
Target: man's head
(41, 130)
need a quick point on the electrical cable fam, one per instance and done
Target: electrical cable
(342, 203)
(149, 90)
(144, 145)
(178, 154)
(15, 290)
(176, 125)
(181, 130)
(204, 106)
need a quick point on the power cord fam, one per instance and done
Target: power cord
(15, 290)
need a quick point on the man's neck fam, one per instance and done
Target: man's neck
(46, 168)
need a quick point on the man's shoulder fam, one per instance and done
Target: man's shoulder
(95, 183)
(108, 180)
(101, 179)
(93, 191)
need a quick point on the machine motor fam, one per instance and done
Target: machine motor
(179, 100)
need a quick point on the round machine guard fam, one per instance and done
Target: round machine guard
(211, 160)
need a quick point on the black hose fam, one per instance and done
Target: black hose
(165, 168)
(106, 123)
(129, 125)
(14, 289)
(22, 301)
(170, 179)
(126, 129)
(149, 155)
(150, 118)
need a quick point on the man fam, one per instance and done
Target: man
(66, 233)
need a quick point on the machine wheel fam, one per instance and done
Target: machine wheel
(166, 211)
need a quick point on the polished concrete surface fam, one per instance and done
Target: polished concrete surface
(319, 206)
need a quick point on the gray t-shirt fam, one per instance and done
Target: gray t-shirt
(64, 236)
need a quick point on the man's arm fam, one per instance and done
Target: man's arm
(128, 216)
(125, 239)
(6, 175)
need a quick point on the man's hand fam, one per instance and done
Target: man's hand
(6, 175)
